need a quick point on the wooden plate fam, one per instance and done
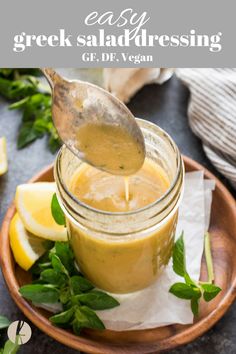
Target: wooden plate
(223, 231)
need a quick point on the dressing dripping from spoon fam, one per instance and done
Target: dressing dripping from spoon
(96, 126)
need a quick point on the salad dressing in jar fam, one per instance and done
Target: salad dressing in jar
(123, 237)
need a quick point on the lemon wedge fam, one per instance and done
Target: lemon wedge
(26, 247)
(33, 203)
(3, 156)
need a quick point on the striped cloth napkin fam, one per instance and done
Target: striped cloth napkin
(212, 114)
(211, 111)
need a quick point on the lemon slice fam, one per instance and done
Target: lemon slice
(3, 156)
(33, 203)
(26, 247)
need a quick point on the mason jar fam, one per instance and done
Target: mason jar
(122, 252)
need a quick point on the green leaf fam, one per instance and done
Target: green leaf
(40, 293)
(63, 317)
(41, 125)
(65, 253)
(42, 263)
(54, 142)
(17, 89)
(39, 267)
(58, 265)
(76, 325)
(195, 306)
(57, 212)
(86, 318)
(27, 134)
(53, 277)
(4, 322)
(34, 99)
(65, 295)
(210, 291)
(188, 280)
(179, 256)
(37, 107)
(98, 300)
(184, 291)
(10, 347)
(19, 104)
(79, 284)
(39, 101)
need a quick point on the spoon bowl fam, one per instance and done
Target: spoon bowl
(96, 126)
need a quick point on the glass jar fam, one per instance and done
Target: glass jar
(124, 252)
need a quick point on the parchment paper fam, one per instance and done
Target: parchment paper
(155, 306)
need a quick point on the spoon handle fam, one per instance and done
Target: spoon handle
(52, 76)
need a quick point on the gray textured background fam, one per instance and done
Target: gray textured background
(165, 105)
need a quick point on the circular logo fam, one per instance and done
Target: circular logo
(19, 332)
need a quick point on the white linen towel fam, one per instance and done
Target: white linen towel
(125, 82)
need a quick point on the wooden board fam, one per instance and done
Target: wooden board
(223, 231)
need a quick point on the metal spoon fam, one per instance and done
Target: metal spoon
(96, 126)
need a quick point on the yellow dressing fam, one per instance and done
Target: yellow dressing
(112, 193)
(125, 264)
(111, 148)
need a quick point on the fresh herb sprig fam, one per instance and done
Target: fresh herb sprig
(57, 281)
(57, 212)
(4, 322)
(34, 100)
(191, 289)
(9, 347)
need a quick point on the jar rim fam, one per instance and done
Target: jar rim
(131, 212)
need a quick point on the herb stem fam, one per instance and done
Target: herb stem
(192, 290)
(204, 282)
(208, 256)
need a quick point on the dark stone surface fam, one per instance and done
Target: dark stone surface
(165, 105)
